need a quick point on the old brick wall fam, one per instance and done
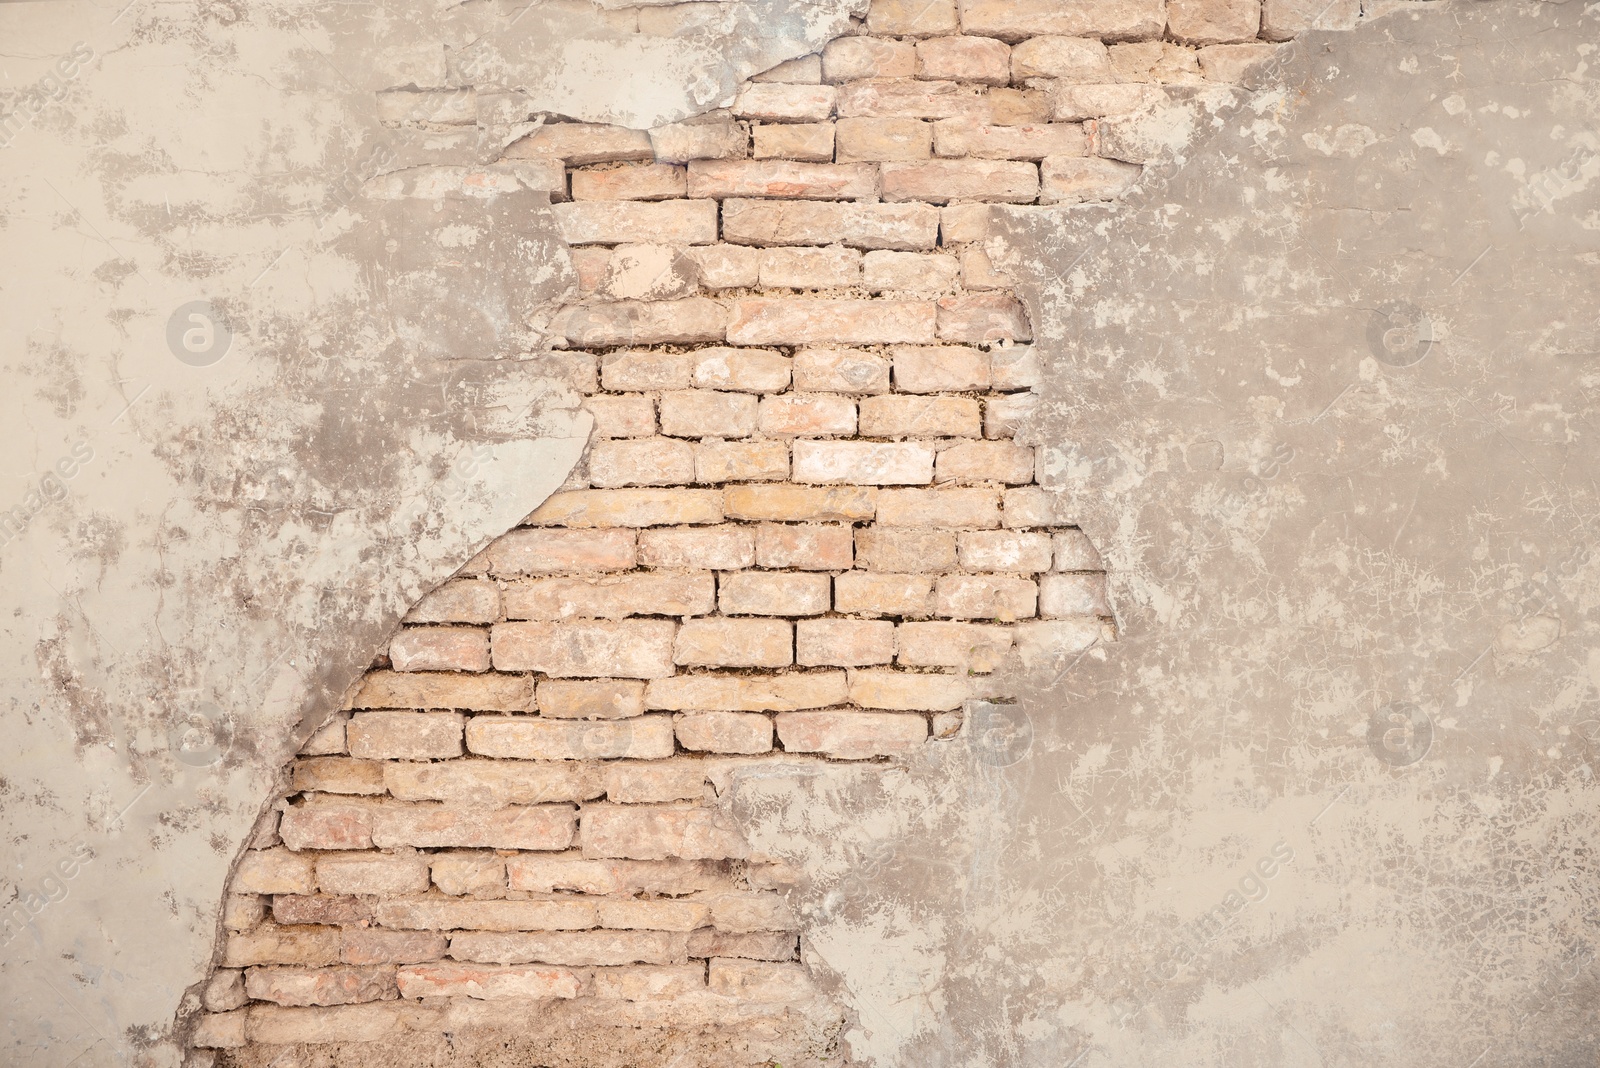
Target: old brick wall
(802, 530)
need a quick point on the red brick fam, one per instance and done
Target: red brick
(591, 698)
(655, 832)
(573, 948)
(748, 693)
(491, 782)
(429, 825)
(964, 59)
(798, 504)
(843, 642)
(872, 594)
(721, 548)
(612, 597)
(679, 222)
(848, 59)
(707, 413)
(734, 643)
(647, 181)
(534, 738)
(461, 601)
(749, 370)
(535, 551)
(455, 979)
(768, 102)
(891, 226)
(1073, 595)
(851, 735)
(724, 732)
(741, 461)
(904, 690)
(900, 416)
(629, 648)
(985, 461)
(806, 548)
(975, 647)
(344, 910)
(448, 914)
(768, 593)
(782, 178)
(405, 735)
(326, 825)
(870, 463)
(880, 549)
(1111, 20)
(808, 413)
(969, 508)
(1005, 550)
(1003, 598)
(803, 321)
(440, 649)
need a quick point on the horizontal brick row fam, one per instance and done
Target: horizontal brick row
(676, 378)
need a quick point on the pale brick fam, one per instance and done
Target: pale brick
(960, 223)
(964, 59)
(1155, 61)
(1074, 552)
(1238, 64)
(612, 597)
(808, 413)
(323, 825)
(574, 872)
(429, 825)
(338, 775)
(985, 461)
(907, 691)
(782, 178)
(343, 910)
(976, 140)
(450, 914)
(328, 739)
(647, 181)
(978, 271)
(440, 649)
(735, 643)
(282, 945)
(871, 593)
(592, 698)
(840, 371)
(899, 416)
(1034, 507)
(1282, 20)
(572, 948)
(975, 647)
(741, 461)
(810, 268)
(843, 642)
(628, 415)
(746, 370)
(880, 549)
(983, 318)
(1012, 20)
(220, 1030)
(804, 547)
(529, 738)
(1003, 598)
(877, 139)
(809, 142)
(628, 648)
(622, 372)
(909, 272)
(1017, 107)
(656, 461)
(405, 735)
(1069, 59)
(1004, 416)
(224, 990)
(725, 266)
(272, 871)
(1015, 367)
(657, 780)
(724, 548)
(482, 875)
(723, 732)
(870, 463)
(277, 1025)
(340, 985)
(242, 912)
(646, 983)
(629, 508)
(1071, 103)
(807, 321)
(461, 601)
(757, 945)
(903, 98)
(1005, 550)
(371, 946)
(1205, 22)
(849, 59)
(800, 504)
(747, 913)
(707, 413)
(579, 143)
(659, 915)
(1081, 594)
(940, 369)
(851, 735)
(704, 137)
(455, 979)
(804, 70)
(767, 593)
(491, 782)
(892, 226)
(656, 832)
(912, 18)
(941, 181)
(677, 222)
(748, 693)
(527, 552)
(777, 102)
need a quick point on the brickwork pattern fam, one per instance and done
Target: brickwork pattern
(803, 527)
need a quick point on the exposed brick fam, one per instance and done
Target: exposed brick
(810, 142)
(1237, 64)
(805, 321)
(804, 547)
(959, 223)
(912, 18)
(1074, 552)
(591, 698)
(327, 825)
(628, 648)
(219, 1030)
(658, 780)
(612, 597)
(273, 871)
(372, 946)
(776, 102)
(800, 504)
(1018, 107)
(578, 143)
(896, 97)
(405, 735)
(1073, 595)
(342, 910)
(749, 370)
(936, 369)
(660, 915)
(843, 642)
(974, 647)
(1003, 598)
(277, 1025)
(700, 413)
(904, 550)
(804, 70)
(572, 871)
(941, 181)
(1070, 103)
(531, 552)
(1004, 416)
(490, 782)
(629, 371)
(1205, 22)
(1282, 20)
(757, 945)
(899, 416)
(808, 413)
(1111, 20)
(903, 690)
(748, 693)
(371, 873)
(462, 601)
(1155, 61)
(866, 139)
(457, 979)
(440, 649)
(1070, 59)
(704, 137)
(978, 271)
(655, 832)
(647, 983)
(655, 461)
(649, 181)
(892, 226)
(1015, 367)
(482, 875)
(782, 178)
(810, 268)
(741, 461)
(724, 266)
(966, 137)
(866, 462)
(840, 371)
(242, 912)
(723, 732)
(450, 914)
(985, 461)
(724, 548)
(572, 948)
(964, 59)
(428, 825)
(224, 990)
(768, 593)
(850, 735)
(629, 508)
(282, 945)
(338, 775)
(328, 739)
(848, 59)
(528, 738)
(983, 318)
(1005, 550)
(1034, 507)
(629, 415)
(745, 913)
(345, 985)
(876, 594)
(735, 643)
(680, 222)
(969, 508)
(575, 370)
